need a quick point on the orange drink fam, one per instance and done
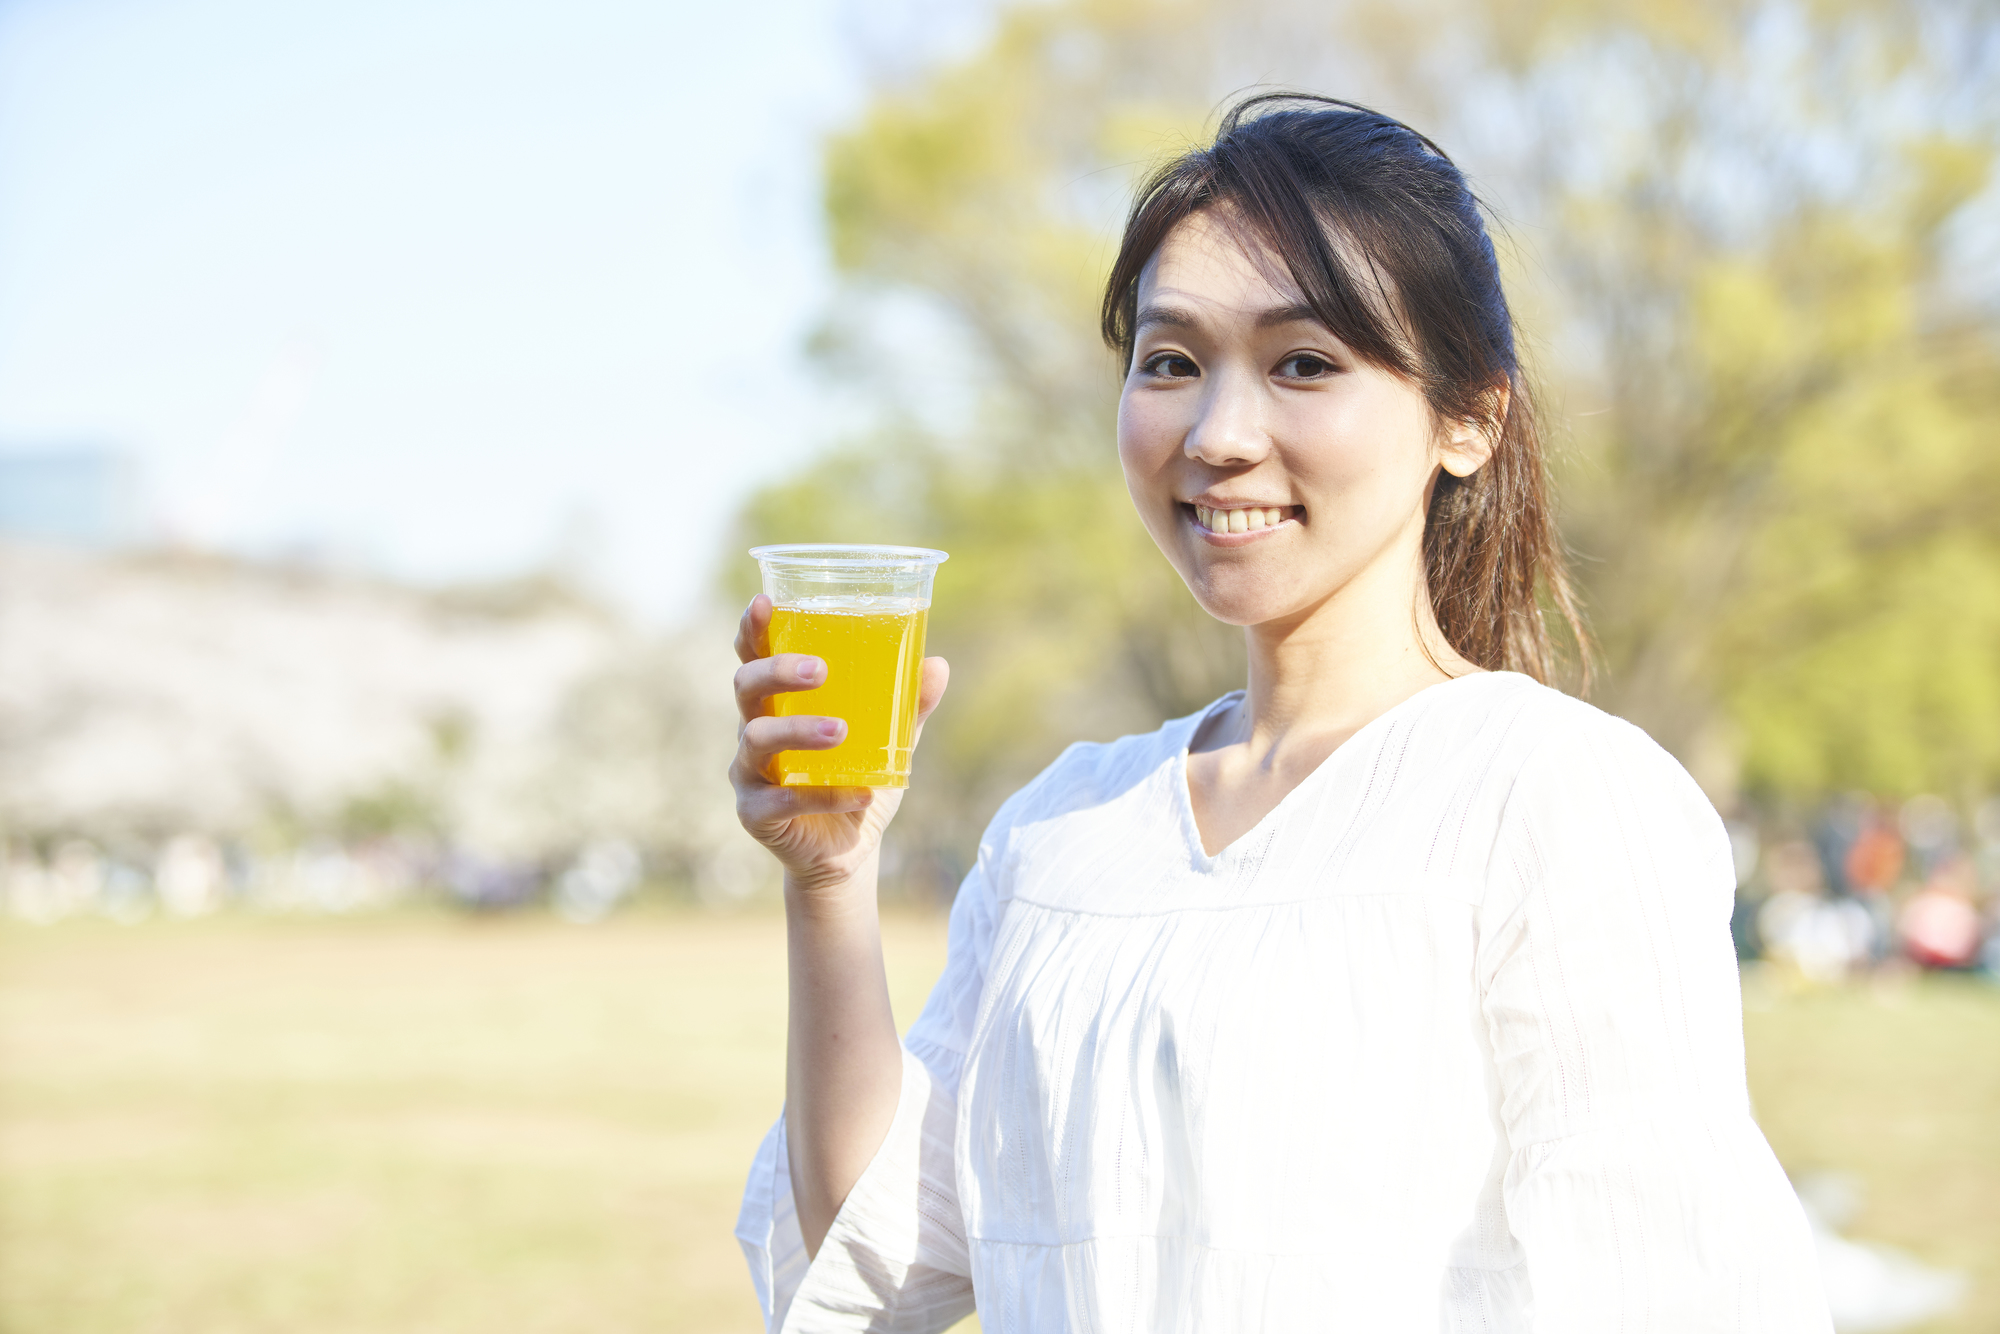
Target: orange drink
(862, 610)
(872, 657)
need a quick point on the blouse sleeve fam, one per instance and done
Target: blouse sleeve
(1640, 1189)
(895, 1257)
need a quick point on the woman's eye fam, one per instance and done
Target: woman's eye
(1173, 366)
(1304, 366)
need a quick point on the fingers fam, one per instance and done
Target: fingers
(762, 738)
(930, 689)
(753, 631)
(765, 806)
(936, 676)
(765, 737)
(760, 678)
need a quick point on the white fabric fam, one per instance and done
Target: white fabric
(1450, 1041)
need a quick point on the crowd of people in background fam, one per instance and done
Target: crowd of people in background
(194, 875)
(1868, 885)
(1860, 886)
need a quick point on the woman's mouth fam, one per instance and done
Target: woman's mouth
(1242, 518)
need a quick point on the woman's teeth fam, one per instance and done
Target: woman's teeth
(1245, 520)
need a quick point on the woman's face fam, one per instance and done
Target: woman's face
(1273, 466)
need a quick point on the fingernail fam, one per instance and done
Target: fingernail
(831, 728)
(812, 669)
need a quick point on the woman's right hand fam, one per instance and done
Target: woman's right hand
(824, 836)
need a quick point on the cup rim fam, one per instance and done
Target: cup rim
(846, 556)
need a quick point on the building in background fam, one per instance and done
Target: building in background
(83, 495)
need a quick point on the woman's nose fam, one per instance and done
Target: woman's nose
(1230, 429)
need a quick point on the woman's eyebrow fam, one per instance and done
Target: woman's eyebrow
(1178, 317)
(1296, 313)
(1172, 317)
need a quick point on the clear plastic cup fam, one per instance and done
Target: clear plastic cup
(862, 610)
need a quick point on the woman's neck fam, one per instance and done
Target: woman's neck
(1316, 678)
(1332, 669)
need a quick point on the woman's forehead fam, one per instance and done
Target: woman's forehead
(1214, 260)
(1217, 259)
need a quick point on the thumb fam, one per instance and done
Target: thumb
(936, 676)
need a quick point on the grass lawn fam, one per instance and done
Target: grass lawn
(1898, 1086)
(414, 1123)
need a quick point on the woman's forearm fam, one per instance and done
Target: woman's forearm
(843, 1062)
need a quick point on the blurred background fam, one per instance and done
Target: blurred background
(388, 393)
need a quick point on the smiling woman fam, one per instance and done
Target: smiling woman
(1384, 269)
(1394, 992)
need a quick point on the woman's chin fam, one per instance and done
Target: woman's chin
(1241, 606)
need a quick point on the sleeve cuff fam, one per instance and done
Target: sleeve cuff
(897, 1247)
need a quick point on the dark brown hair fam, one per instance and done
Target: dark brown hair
(1418, 293)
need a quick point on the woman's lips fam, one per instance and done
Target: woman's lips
(1241, 520)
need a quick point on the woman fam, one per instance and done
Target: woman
(1394, 992)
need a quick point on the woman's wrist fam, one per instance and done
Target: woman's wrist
(832, 893)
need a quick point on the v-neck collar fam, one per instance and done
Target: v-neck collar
(1184, 797)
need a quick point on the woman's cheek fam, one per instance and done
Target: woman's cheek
(1146, 442)
(1353, 457)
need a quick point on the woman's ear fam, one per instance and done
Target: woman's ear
(1468, 444)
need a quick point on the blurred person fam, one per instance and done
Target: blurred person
(129, 893)
(1746, 851)
(1823, 939)
(1874, 866)
(1874, 861)
(604, 874)
(1393, 992)
(189, 876)
(1986, 830)
(1931, 826)
(1820, 936)
(76, 877)
(32, 892)
(1940, 924)
(1744, 929)
(1841, 825)
(1794, 868)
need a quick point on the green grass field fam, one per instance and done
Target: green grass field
(417, 1123)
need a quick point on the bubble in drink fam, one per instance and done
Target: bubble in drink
(873, 648)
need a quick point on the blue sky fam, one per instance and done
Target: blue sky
(443, 289)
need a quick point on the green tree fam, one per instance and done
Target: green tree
(1779, 390)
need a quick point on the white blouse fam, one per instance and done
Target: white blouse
(1451, 1040)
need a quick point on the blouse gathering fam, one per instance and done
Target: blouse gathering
(1450, 1041)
